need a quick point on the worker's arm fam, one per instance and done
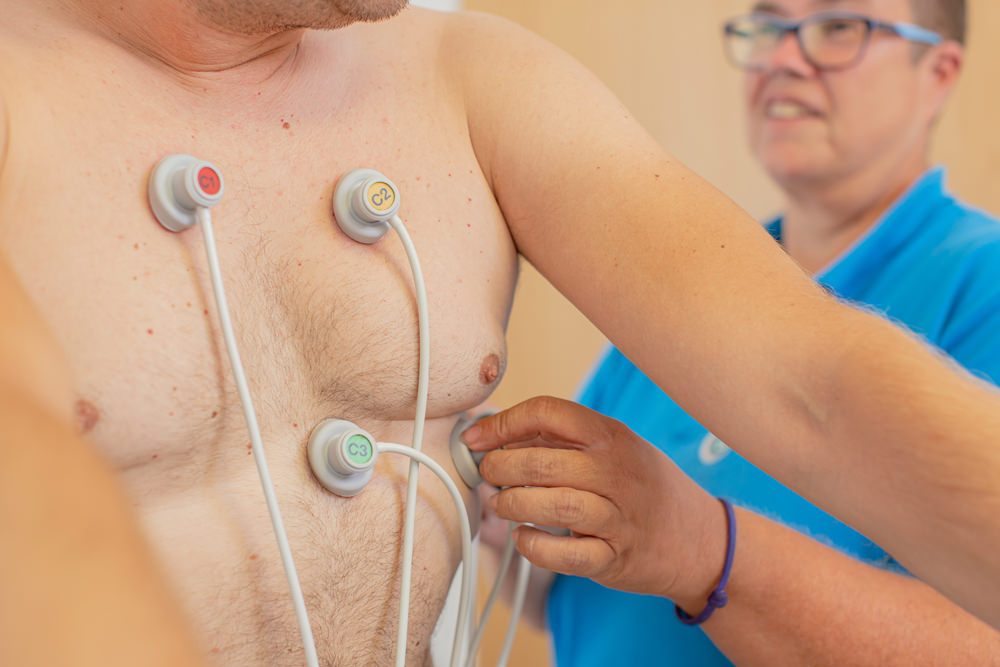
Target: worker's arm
(794, 601)
(78, 586)
(841, 406)
(640, 524)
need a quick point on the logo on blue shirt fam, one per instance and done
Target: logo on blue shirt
(712, 450)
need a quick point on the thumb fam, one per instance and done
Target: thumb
(542, 417)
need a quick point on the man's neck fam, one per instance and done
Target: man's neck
(822, 220)
(189, 42)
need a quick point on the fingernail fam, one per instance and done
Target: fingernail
(493, 502)
(471, 435)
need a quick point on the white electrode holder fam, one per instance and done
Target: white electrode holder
(466, 461)
(363, 203)
(178, 185)
(342, 456)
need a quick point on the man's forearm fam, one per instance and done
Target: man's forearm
(79, 586)
(906, 448)
(795, 601)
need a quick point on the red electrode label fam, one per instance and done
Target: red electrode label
(209, 181)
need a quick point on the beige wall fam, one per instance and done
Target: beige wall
(663, 59)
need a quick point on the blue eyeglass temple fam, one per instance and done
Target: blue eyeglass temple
(913, 33)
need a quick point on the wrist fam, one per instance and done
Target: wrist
(707, 556)
(695, 610)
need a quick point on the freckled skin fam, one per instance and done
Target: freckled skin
(490, 369)
(87, 415)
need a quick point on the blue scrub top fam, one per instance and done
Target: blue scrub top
(931, 263)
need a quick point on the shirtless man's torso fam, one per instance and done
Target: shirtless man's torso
(495, 138)
(326, 326)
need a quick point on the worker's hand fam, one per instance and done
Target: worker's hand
(493, 530)
(637, 522)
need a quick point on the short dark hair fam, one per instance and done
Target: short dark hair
(946, 17)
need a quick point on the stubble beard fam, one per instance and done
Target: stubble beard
(264, 17)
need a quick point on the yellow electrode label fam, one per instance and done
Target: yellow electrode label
(381, 196)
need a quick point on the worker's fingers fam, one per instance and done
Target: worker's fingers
(541, 466)
(579, 556)
(544, 419)
(581, 512)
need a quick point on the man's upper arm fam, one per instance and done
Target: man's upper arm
(680, 279)
(827, 399)
(30, 361)
(4, 131)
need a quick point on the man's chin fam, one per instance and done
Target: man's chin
(370, 11)
(267, 17)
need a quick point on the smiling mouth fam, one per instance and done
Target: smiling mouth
(786, 109)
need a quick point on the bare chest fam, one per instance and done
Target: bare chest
(320, 319)
(326, 327)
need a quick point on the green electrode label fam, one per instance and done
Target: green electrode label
(359, 450)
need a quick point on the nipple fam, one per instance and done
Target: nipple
(489, 370)
(86, 415)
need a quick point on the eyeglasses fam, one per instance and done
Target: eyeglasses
(828, 40)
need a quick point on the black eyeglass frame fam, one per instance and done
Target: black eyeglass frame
(907, 31)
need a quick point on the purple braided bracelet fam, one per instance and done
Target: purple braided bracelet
(718, 597)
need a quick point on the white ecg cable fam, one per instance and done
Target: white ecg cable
(520, 590)
(508, 552)
(464, 524)
(517, 603)
(204, 218)
(417, 457)
(418, 435)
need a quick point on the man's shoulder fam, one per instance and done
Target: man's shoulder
(468, 23)
(486, 49)
(472, 51)
(466, 31)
